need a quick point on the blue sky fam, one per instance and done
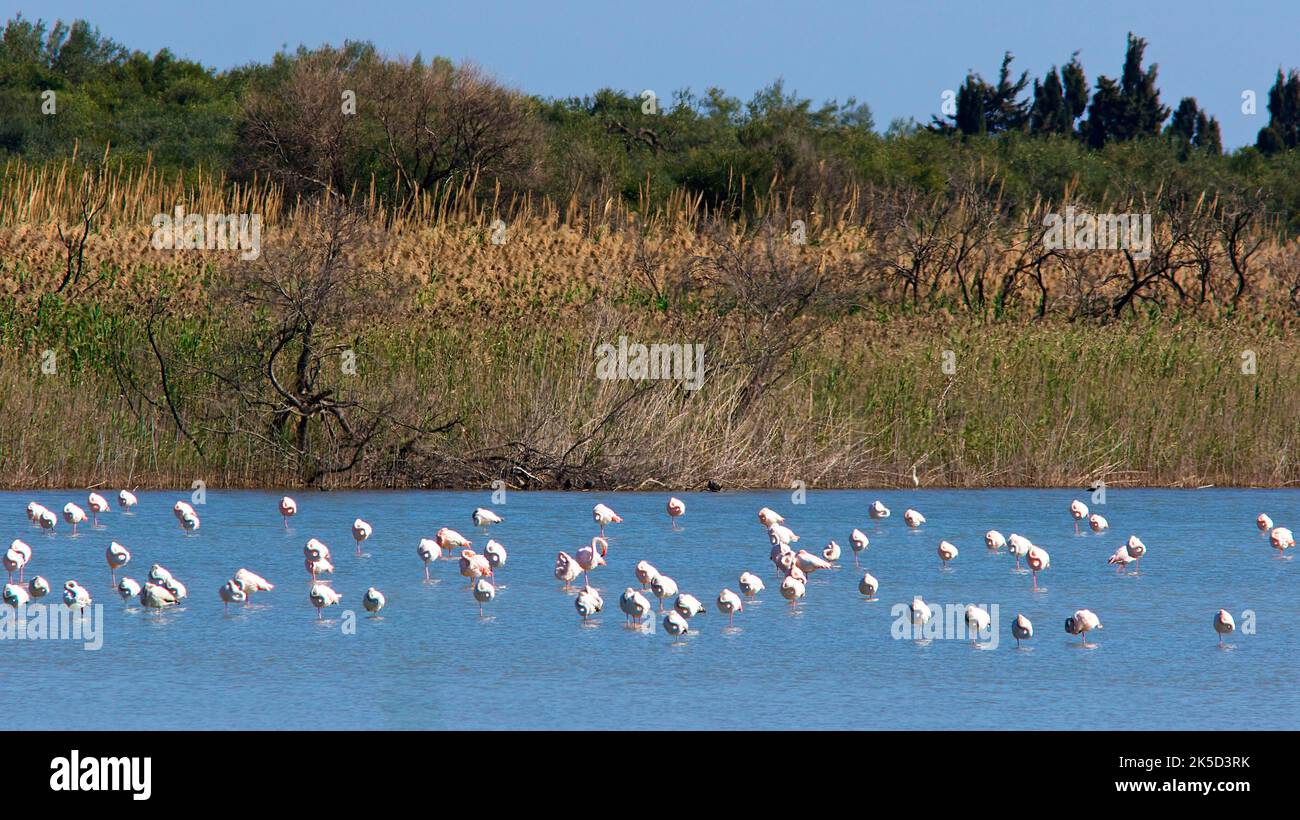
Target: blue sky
(898, 56)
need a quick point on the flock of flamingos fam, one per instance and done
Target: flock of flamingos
(161, 589)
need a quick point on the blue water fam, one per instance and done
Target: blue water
(430, 661)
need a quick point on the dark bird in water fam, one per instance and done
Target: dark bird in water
(714, 487)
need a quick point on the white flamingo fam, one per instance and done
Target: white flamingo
(1121, 558)
(977, 621)
(117, 557)
(729, 604)
(676, 509)
(97, 504)
(16, 595)
(251, 582)
(126, 500)
(128, 588)
(34, 510)
(74, 515)
(484, 592)
(592, 555)
(373, 600)
(75, 596)
(750, 584)
(994, 540)
(675, 624)
(832, 552)
(156, 596)
(768, 516)
(663, 587)
(1098, 523)
(428, 552)
(474, 566)
(947, 552)
(566, 569)
(38, 587)
(317, 564)
(1262, 521)
(450, 540)
(16, 558)
(868, 585)
(1136, 549)
(1079, 511)
(1038, 560)
(1281, 539)
(1081, 623)
(190, 522)
(781, 534)
(1223, 624)
(604, 515)
(496, 555)
(322, 596)
(1018, 546)
(181, 508)
(47, 520)
(809, 563)
(645, 573)
(588, 602)
(484, 518)
(688, 605)
(634, 605)
(913, 518)
(858, 541)
(288, 509)
(1022, 629)
(361, 530)
(232, 592)
(878, 510)
(920, 614)
(793, 588)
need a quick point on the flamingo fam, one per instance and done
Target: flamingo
(729, 604)
(1282, 540)
(1098, 523)
(182, 508)
(1136, 549)
(645, 573)
(16, 558)
(877, 510)
(361, 530)
(1081, 623)
(675, 624)
(634, 605)
(34, 510)
(1018, 545)
(1121, 558)
(1022, 629)
(159, 574)
(750, 584)
(484, 518)
(947, 552)
(38, 587)
(373, 600)
(175, 587)
(688, 605)
(676, 509)
(1262, 521)
(1080, 511)
(252, 582)
(663, 587)
(15, 595)
(232, 592)
(792, 588)
(781, 534)
(994, 540)
(588, 602)
(156, 596)
(591, 556)
(317, 564)
(832, 552)
(868, 585)
(768, 516)
(47, 520)
(288, 509)
(319, 546)
(859, 542)
(128, 588)
(1223, 624)
(117, 557)
(496, 555)
(913, 518)
(920, 613)
(978, 620)
(484, 591)
(809, 562)
(75, 596)
(74, 515)
(1038, 560)
(566, 569)
(322, 596)
(190, 522)
(97, 504)
(604, 515)
(473, 565)
(428, 552)
(126, 499)
(449, 540)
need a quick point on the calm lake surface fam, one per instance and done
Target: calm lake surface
(830, 662)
